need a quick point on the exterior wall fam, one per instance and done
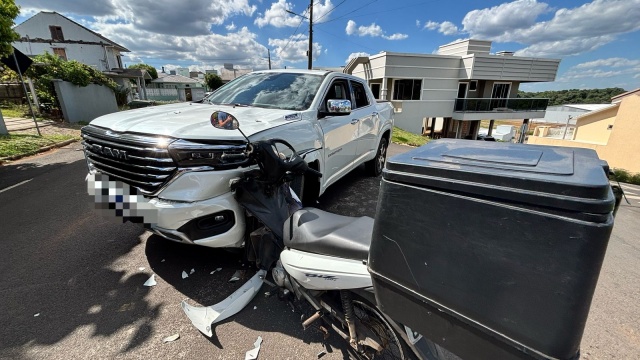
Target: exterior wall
(465, 47)
(594, 128)
(162, 94)
(622, 151)
(84, 103)
(92, 55)
(514, 68)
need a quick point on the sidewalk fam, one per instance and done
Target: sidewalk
(15, 124)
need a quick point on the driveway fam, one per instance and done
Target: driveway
(71, 284)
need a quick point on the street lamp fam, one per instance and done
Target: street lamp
(310, 18)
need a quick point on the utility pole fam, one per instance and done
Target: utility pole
(269, 54)
(310, 18)
(310, 51)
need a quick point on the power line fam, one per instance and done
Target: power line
(294, 33)
(380, 12)
(345, 39)
(350, 12)
(330, 11)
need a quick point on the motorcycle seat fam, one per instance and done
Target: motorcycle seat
(320, 232)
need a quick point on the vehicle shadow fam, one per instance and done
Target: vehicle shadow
(62, 278)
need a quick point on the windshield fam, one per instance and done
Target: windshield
(285, 91)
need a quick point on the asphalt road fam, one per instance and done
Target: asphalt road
(71, 283)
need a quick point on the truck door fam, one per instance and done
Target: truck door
(340, 134)
(363, 111)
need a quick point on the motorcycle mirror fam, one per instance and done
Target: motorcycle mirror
(225, 121)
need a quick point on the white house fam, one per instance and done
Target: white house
(448, 93)
(59, 35)
(173, 86)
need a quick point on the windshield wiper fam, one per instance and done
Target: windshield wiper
(236, 104)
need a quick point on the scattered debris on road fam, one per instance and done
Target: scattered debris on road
(192, 271)
(36, 314)
(255, 307)
(236, 276)
(216, 270)
(171, 338)
(321, 354)
(141, 268)
(162, 260)
(184, 274)
(253, 353)
(151, 281)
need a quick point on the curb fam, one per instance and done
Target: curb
(42, 149)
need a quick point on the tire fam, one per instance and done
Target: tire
(374, 166)
(394, 347)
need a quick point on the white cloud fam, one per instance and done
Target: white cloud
(602, 68)
(355, 55)
(446, 27)
(570, 31)
(610, 62)
(431, 25)
(230, 27)
(372, 30)
(278, 16)
(417, 23)
(295, 49)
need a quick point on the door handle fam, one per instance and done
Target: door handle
(355, 121)
(375, 114)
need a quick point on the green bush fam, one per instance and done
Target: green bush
(635, 179)
(621, 175)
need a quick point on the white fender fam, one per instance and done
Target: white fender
(203, 317)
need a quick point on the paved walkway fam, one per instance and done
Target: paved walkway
(15, 124)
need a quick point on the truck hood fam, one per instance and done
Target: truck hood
(192, 120)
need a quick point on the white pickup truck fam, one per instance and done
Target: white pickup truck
(163, 165)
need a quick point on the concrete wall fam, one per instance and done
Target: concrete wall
(622, 151)
(514, 68)
(84, 103)
(595, 128)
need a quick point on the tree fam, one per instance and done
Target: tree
(213, 81)
(8, 12)
(150, 69)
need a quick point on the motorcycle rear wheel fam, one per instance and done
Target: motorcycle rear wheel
(393, 346)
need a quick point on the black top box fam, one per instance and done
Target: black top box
(492, 250)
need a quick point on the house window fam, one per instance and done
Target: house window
(407, 89)
(500, 90)
(360, 94)
(473, 85)
(56, 33)
(119, 59)
(60, 52)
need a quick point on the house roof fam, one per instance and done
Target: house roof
(618, 97)
(175, 79)
(120, 47)
(588, 107)
(128, 73)
(606, 107)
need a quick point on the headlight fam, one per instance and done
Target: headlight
(190, 154)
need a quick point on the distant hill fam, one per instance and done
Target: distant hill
(575, 96)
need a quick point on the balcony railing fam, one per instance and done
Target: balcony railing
(500, 105)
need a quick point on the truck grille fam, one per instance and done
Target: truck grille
(142, 162)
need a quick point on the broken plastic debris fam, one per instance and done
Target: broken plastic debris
(171, 338)
(151, 281)
(214, 271)
(321, 354)
(141, 268)
(236, 276)
(253, 353)
(192, 271)
(36, 314)
(184, 274)
(255, 307)
(162, 260)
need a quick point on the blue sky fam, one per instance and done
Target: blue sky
(598, 41)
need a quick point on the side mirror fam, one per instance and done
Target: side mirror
(224, 121)
(338, 107)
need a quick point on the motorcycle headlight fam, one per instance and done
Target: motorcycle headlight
(192, 154)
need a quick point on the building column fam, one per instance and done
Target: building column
(523, 131)
(458, 129)
(383, 89)
(491, 122)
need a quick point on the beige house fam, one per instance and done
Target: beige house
(447, 94)
(612, 131)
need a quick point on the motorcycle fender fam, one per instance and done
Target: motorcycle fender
(323, 272)
(203, 317)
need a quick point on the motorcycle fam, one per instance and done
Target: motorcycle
(314, 257)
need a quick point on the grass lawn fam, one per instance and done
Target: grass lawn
(407, 138)
(19, 144)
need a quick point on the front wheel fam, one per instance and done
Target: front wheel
(374, 166)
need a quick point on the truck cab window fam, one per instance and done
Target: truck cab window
(360, 95)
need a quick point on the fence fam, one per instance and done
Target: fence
(12, 92)
(162, 94)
